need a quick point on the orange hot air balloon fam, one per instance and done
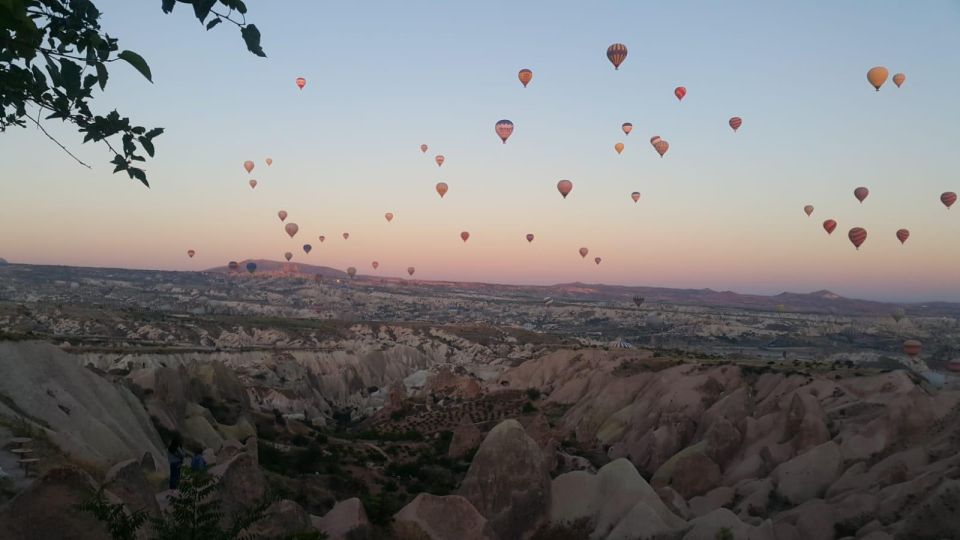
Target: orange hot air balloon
(375, 265)
(564, 187)
(857, 236)
(617, 53)
(248, 165)
(635, 196)
(442, 188)
(301, 82)
(346, 236)
(829, 225)
(597, 260)
(735, 123)
(307, 248)
(525, 77)
(388, 216)
(680, 91)
(861, 193)
(529, 237)
(808, 209)
(583, 252)
(439, 160)
(898, 79)
(351, 272)
(948, 198)
(423, 148)
(877, 76)
(464, 236)
(661, 146)
(269, 162)
(411, 270)
(504, 129)
(321, 238)
(288, 256)
(191, 253)
(627, 127)
(282, 215)
(291, 229)
(902, 235)
(618, 147)
(912, 347)
(253, 184)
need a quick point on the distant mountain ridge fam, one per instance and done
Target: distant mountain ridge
(268, 266)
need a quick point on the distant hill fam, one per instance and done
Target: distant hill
(268, 267)
(3, 262)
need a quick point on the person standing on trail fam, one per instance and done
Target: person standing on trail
(175, 456)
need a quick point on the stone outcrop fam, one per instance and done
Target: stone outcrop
(346, 516)
(465, 438)
(429, 517)
(128, 482)
(48, 509)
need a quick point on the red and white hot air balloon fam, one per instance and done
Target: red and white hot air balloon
(861, 193)
(661, 146)
(808, 209)
(635, 196)
(735, 123)
(583, 252)
(654, 139)
(504, 129)
(529, 237)
(617, 53)
(375, 265)
(291, 229)
(902, 235)
(948, 198)
(388, 216)
(829, 225)
(858, 236)
(191, 253)
(423, 148)
(253, 184)
(301, 82)
(439, 159)
(248, 165)
(627, 127)
(464, 236)
(680, 91)
(442, 188)
(564, 187)
(597, 260)
(282, 215)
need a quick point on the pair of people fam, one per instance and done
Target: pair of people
(175, 457)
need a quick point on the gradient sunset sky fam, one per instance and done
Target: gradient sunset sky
(721, 210)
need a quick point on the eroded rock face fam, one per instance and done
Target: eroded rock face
(346, 516)
(47, 509)
(938, 516)
(283, 518)
(810, 474)
(242, 484)
(466, 437)
(127, 481)
(442, 518)
(508, 483)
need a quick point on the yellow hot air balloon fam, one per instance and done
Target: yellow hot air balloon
(877, 76)
(618, 147)
(898, 79)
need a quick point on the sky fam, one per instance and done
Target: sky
(721, 210)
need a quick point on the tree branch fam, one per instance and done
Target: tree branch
(62, 147)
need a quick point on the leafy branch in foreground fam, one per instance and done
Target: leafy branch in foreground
(54, 56)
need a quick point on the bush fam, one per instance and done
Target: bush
(533, 393)
(529, 408)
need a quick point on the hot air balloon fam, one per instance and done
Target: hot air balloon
(351, 272)
(857, 236)
(191, 253)
(288, 256)
(442, 188)
(248, 165)
(321, 238)
(525, 77)
(898, 314)
(504, 129)
(861, 193)
(529, 237)
(618, 147)
(464, 236)
(375, 265)
(597, 260)
(301, 82)
(829, 225)
(439, 160)
(547, 301)
(282, 215)
(617, 53)
(291, 229)
(661, 146)
(954, 365)
(564, 187)
(269, 162)
(411, 270)
(902, 235)
(680, 91)
(808, 209)
(307, 248)
(388, 216)
(627, 127)
(948, 198)
(233, 265)
(735, 123)
(423, 148)
(877, 76)
(583, 252)
(253, 184)
(251, 267)
(654, 139)
(635, 196)
(638, 300)
(898, 79)
(346, 236)
(912, 347)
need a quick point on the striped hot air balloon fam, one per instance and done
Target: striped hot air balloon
(735, 123)
(525, 77)
(661, 146)
(301, 82)
(191, 253)
(861, 193)
(912, 347)
(680, 91)
(948, 198)
(439, 159)
(829, 225)
(233, 266)
(504, 129)
(635, 196)
(857, 235)
(564, 187)
(423, 148)
(253, 184)
(902, 235)
(617, 53)
(627, 127)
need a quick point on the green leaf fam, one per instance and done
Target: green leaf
(153, 133)
(102, 75)
(139, 174)
(214, 22)
(70, 73)
(137, 62)
(201, 8)
(168, 5)
(252, 37)
(147, 145)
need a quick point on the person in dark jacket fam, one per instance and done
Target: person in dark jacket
(175, 456)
